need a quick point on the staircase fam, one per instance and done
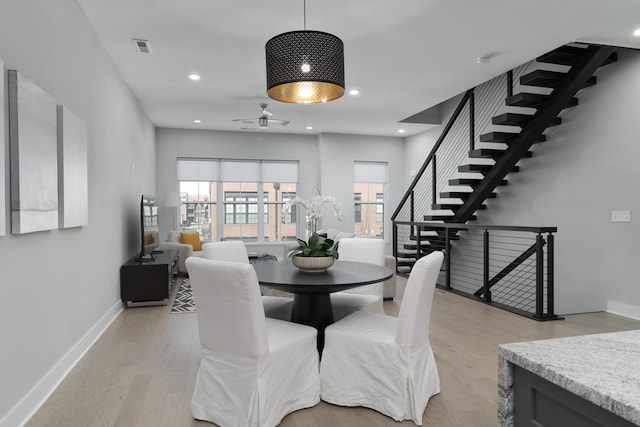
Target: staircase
(544, 94)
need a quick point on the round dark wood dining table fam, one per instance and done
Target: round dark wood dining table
(312, 291)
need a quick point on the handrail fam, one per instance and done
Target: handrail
(461, 226)
(444, 134)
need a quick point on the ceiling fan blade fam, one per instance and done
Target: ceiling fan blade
(248, 121)
(279, 122)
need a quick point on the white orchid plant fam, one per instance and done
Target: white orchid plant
(316, 245)
(314, 207)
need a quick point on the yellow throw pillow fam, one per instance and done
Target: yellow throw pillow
(192, 239)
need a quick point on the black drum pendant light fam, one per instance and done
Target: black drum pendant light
(305, 67)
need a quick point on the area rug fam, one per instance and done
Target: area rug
(184, 299)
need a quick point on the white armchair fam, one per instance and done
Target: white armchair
(367, 297)
(253, 370)
(275, 307)
(389, 288)
(405, 374)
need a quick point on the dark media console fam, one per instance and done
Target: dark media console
(147, 281)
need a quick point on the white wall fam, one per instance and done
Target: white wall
(417, 147)
(586, 169)
(337, 154)
(61, 287)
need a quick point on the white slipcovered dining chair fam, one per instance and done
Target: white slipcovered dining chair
(383, 362)
(235, 251)
(253, 370)
(368, 297)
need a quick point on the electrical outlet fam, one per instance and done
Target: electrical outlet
(620, 216)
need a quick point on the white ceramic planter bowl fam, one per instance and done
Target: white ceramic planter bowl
(312, 264)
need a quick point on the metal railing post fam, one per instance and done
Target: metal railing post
(418, 242)
(447, 258)
(434, 174)
(509, 83)
(550, 275)
(472, 120)
(485, 275)
(412, 212)
(539, 276)
(395, 242)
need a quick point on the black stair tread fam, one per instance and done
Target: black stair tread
(451, 206)
(481, 168)
(490, 153)
(424, 248)
(472, 182)
(437, 217)
(568, 55)
(461, 195)
(444, 218)
(504, 137)
(515, 119)
(533, 100)
(546, 78)
(400, 263)
(406, 255)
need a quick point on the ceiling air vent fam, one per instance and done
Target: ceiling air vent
(143, 46)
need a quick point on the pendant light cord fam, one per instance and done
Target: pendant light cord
(304, 13)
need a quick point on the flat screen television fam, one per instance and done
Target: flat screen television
(149, 236)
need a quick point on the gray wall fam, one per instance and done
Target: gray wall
(586, 169)
(61, 287)
(326, 161)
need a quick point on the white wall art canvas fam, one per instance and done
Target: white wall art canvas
(33, 156)
(73, 190)
(3, 218)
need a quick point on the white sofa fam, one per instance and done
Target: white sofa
(277, 249)
(184, 250)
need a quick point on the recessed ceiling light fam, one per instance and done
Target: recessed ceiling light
(198, 121)
(309, 127)
(637, 32)
(195, 77)
(354, 92)
(400, 130)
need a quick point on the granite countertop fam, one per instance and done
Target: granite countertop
(603, 369)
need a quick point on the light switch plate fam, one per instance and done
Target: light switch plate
(620, 216)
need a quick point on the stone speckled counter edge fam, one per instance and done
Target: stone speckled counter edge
(603, 369)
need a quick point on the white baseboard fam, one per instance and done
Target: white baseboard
(622, 309)
(35, 398)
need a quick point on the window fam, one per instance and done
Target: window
(251, 200)
(198, 208)
(242, 208)
(368, 187)
(290, 217)
(357, 208)
(379, 207)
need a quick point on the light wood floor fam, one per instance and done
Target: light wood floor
(141, 371)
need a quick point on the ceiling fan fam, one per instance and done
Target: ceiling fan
(264, 119)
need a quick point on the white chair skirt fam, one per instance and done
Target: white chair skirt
(233, 392)
(361, 351)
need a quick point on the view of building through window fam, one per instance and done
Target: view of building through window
(369, 183)
(239, 212)
(368, 209)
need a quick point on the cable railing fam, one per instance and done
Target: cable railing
(506, 266)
